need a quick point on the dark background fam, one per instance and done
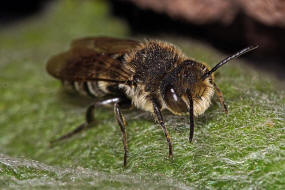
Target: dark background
(227, 38)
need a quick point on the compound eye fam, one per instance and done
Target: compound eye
(173, 101)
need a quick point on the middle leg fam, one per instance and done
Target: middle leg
(159, 118)
(122, 123)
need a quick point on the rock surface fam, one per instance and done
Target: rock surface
(270, 13)
(236, 21)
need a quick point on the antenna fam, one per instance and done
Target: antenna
(224, 61)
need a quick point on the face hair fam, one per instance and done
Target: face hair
(224, 61)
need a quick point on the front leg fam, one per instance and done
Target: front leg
(191, 117)
(221, 99)
(159, 118)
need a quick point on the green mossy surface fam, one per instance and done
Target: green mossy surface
(241, 150)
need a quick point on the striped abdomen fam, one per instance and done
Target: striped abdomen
(89, 88)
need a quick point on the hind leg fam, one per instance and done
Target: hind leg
(89, 118)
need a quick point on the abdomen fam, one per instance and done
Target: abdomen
(87, 88)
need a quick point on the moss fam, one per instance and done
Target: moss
(244, 149)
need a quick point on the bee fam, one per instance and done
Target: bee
(151, 75)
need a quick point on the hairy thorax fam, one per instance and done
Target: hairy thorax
(150, 62)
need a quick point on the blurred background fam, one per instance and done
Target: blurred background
(241, 150)
(226, 25)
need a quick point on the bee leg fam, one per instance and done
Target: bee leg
(159, 118)
(122, 123)
(89, 117)
(191, 116)
(220, 95)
